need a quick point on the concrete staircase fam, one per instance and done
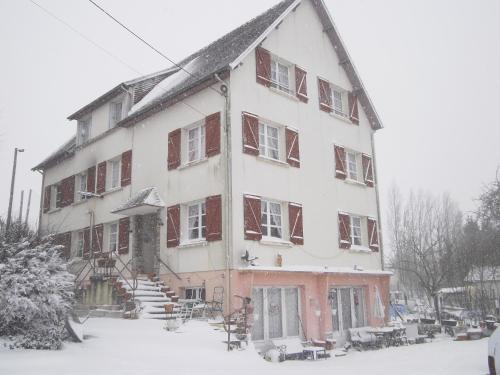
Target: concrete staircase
(150, 296)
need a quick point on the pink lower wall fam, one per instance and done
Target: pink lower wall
(314, 287)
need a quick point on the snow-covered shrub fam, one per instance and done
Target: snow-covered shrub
(36, 290)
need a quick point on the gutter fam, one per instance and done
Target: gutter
(379, 217)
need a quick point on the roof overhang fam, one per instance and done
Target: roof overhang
(145, 201)
(99, 101)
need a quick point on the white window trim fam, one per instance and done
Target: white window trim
(275, 84)
(357, 161)
(78, 197)
(109, 174)
(120, 100)
(265, 311)
(353, 313)
(281, 142)
(279, 130)
(79, 254)
(185, 144)
(108, 242)
(185, 240)
(351, 222)
(284, 228)
(86, 120)
(344, 114)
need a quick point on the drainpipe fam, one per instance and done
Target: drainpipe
(228, 193)
(381, 248)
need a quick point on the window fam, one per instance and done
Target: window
(196, 221)
(271, 224)
(114, 167)
(356, 230)
(339, 101)
(280, 75)
(276, 313)
(81, 187)
(80, 243)
(115, 113)
(113, 237)
(83, 133)
(196, 143)
(269, 141)
(197, 293)
(55, 192)
(348, 308)
(352, 165)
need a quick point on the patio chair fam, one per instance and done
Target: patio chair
(361, 339)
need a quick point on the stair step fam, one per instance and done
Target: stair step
(146, 293)
(152, 299)
(144, 287)
(159, 316)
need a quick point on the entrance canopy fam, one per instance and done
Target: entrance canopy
(143, 202)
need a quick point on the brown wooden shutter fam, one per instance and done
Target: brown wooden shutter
(97, 239)
(340, 167)
(67, 191)
(101, 178)
(292, 147)
(214, 218)
(91, 179)
(46, 199)
(86, 243)
(368, 170)
(301, 84)
(173, 225)
(252, 217)
(250, 134)
(212, 134)
(263, 62)
(325, 95)
(353, 108)
(344, 231)
(126, 176)
(295, 222)
(174, 149)
(123, 235)
(373, 234)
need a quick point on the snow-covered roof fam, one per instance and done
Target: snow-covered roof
(144, 201)
(488, 273)
(316, 269)
(67, 149)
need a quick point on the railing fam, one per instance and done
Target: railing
(167, 267)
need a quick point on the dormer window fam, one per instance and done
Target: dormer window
(115, 113)
(83, 130)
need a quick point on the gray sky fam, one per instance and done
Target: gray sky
(432, 69)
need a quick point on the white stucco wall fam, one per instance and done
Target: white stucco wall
(300, 40)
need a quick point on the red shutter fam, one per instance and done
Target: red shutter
(325, 95)
(301, 84)
(353, 108)
(292, 147)
(46, 199)
(91, 179)
(263, 62)
(368, 170)
(295, 222)
(250, 134)
(123, 235)
(86, 243)
(174, 149)
(340, 168)
(173, 225)
(101, 177)
(67, 191)
(126, 177)
(214, 218)
(373, 234)
(97, 239)
(212, 134)
(344, 231)
(252, 218)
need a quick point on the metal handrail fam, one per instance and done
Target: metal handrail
(168, 267)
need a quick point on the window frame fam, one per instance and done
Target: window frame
(349, 170)
(276, 62)
(264, 148)
(201, 214)
(201, 143)
(81, 177)
(109, 174)
(338, 318)
(112, 112)
(199, 292)
(352, 218)
(113, 233)
(268, 225)
(86, 121)
(80, 243)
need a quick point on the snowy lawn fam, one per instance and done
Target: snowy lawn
(122, 347)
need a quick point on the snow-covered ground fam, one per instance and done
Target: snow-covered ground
(122, 347)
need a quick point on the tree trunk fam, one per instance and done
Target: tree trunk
(435, 297)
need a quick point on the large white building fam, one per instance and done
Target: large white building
(261, 144)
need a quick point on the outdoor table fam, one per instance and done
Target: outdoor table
(383, 335)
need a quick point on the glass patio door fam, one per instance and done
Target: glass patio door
(348, 308)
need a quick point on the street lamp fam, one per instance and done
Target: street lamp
(16, 150)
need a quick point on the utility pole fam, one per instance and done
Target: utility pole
(20, 218)
(9, 212)
(28, 209)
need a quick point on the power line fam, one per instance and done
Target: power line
(144, 41)
(95, 44)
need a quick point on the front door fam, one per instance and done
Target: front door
(147, 227)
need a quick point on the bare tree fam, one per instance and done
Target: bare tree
(424, 235)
